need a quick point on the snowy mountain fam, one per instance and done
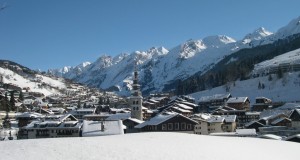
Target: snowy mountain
(22, 77)
(160, 68)
(283, 88)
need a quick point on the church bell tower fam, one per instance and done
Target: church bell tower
(136, 99)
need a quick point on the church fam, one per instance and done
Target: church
(136, 99)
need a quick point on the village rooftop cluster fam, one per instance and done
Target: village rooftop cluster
(81, 111)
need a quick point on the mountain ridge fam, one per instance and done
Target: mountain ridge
(159, 67)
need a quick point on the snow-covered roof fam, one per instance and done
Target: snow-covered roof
(86, 109)
(29, 115)
(237, 100)
(63, 118)
(136, 120)
(190, 104)
(279, 120)
(216, 119)
(252, 113)
(184, 106)
(230, 118)
(182, 110)
(119, 116)
(102, 128)
(214, 97)
(160, 118)
(153, 101)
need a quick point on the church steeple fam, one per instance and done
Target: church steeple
(136, 99)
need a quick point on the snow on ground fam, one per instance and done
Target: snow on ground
(150, 146)
(285, 89)
(52, 82)
(18, 80)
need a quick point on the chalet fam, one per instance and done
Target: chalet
(64, 126)
(155, 102)
(168, 122)
(79, 113)
(201, 127)
(274, 119)
(209, 103)
(239, 103)
(295, 118)
(243, 116)
(26, 118)
(284, 121)
(216, 124)
(130, 124)
(261, 104)
(180, 106)
(254, 125)
(147, 114)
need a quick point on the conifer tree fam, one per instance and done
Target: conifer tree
(21, 97)
(12, 100)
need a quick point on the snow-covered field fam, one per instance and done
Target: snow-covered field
(289, 58)
(150, 146)
(285, 89)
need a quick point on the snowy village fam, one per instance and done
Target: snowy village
(124, 80)
(81, 111)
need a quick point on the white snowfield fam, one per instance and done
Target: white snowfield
(150, 146)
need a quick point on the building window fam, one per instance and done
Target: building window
(137, 102)
(164, 127)
(183, 126)
(170, 126)
(189, 127)
(133, 102)
(176, 126)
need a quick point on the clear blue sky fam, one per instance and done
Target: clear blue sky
(55, 33)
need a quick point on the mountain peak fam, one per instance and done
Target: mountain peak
(217, 40)
(292, 28)
(258, 34)
(189, 48)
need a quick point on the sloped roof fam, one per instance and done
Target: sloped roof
(217, 119)
(29, 115)
(181, 110)
(68, 116)
(136, 120)
(158, 119)
(237, 100)
(214, 97)
(183, 106)
(230, 118)
(279, 120)
(119, 116)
